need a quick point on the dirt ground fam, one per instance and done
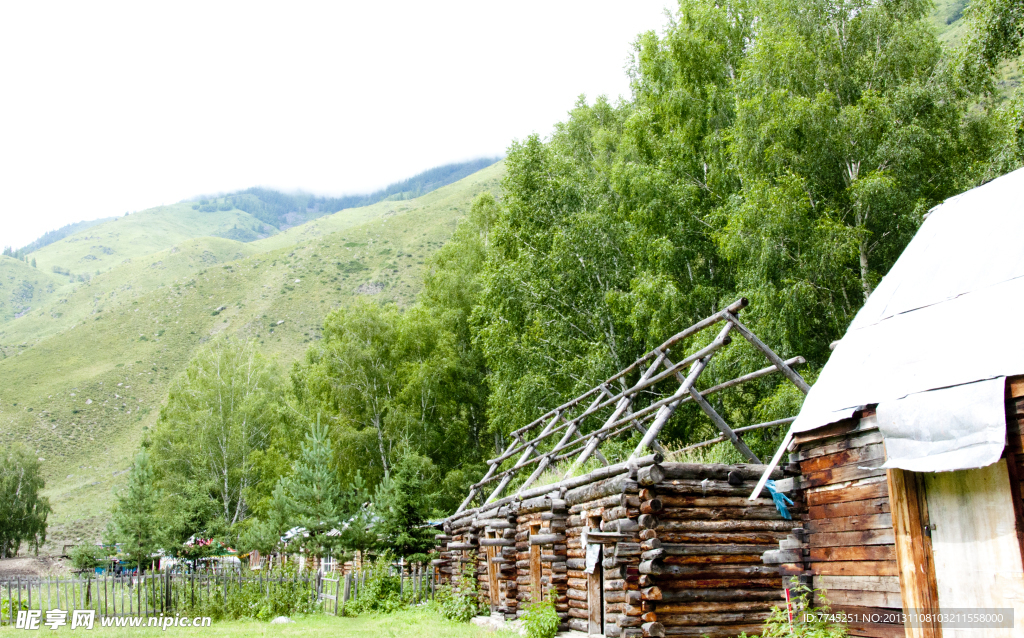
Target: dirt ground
(32, 566)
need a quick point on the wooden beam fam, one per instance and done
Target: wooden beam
(623, 405)
(918, 587)
(666, 411)
(724, 427)
(527, 453)
(791, 374)
(570, 434)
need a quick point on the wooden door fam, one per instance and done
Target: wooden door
(595, 597)
(536, 593)
(975, 545)
(492, 573)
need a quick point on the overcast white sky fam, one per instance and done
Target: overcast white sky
(115, 107)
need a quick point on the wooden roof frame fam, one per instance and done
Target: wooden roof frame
(656, 367)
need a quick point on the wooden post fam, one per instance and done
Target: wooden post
(913, 550)
(337, 590)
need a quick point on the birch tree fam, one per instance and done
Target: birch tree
(223, 414)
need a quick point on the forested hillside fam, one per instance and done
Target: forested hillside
(780, 150)
(86, 371)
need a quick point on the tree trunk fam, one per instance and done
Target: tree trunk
(865, 284)
(380, 443)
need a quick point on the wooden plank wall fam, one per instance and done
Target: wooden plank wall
(850, 550)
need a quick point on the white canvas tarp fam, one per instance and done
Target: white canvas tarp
(963, 426)
(941, 318)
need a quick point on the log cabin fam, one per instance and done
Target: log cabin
(641, 547)
(909, 443)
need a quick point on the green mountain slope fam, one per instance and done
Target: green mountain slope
(23, 288)
(101, 247)
(82, 378)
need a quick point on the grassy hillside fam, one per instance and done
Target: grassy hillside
(23, 288)
(84, 376)
(101, 247)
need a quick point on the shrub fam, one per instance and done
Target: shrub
(455, 606)
(87, 557)
(381, 591)
(462, 602)
(278, 594)
(808, 621)
(5, 608)
(540, 619)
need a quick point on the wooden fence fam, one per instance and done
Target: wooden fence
(165, 592)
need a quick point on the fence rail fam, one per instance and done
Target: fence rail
(166, 592)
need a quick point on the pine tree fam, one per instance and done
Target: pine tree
(134, 513)
(313, 493)
(402, 504)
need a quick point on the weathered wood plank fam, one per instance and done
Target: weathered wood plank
(866, 598)
(846, 539)
(850, 523)
(837, 475)
(867, 491)
(855, 568)
(849, 508)
(858, 583)
(845, 443)
(913, 551)
(855, 553)
(865, 455)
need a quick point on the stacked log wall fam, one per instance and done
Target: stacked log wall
(705, 539)
(461, 548)
(615, 503)
(681, 551)
(497, 529)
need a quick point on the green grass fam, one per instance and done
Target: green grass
(83, 375)
(104, 246)
(409, 623)
(23, 287)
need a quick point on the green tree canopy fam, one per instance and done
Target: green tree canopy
(222, 439)
(23, 510)
(135, 523)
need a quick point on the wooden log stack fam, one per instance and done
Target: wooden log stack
(681, 550)
(606, 512)
(701, 568)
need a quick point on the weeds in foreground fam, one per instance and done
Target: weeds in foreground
(807, 621)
